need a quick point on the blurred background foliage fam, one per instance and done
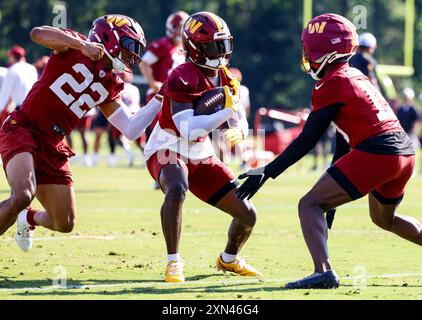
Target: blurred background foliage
(267, 35)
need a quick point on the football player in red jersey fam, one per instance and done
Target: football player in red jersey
(179, 153)
(379, 164)
(165, 54)
(80, 75)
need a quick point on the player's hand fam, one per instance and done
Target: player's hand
(234, 135)
(255, 179)
(156, 86)
(234, 83)
(232, 99)
(93, 50)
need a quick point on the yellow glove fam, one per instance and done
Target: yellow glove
(234, 135)
(234, 83)
(232, 99)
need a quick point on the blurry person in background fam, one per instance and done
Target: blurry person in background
(161, 58)
(323, 148)
(40, 65)
(244, 91)
(83, 130)
(131, 97)
(240, 148)
(19, 79)
(364, 58)
(164, 55)
(408, 115)
(100, 126)
(3, 72)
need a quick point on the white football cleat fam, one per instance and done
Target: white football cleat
(24, 232)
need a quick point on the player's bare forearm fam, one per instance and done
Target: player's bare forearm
(109, 108)
(55, 39)
(60, 41)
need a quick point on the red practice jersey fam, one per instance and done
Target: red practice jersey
(169, 57)
(70, 86)
(185, 84)
(365, 113)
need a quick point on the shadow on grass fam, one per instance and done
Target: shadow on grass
(146, 287)
(180, 289)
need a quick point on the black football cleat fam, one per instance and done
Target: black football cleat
(326, 280)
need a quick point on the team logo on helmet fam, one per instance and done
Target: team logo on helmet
(327, 38)
(207, 40)
(123, 40)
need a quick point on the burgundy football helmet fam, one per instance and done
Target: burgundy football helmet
(174, 24)
(207, 40)
(327, 38)
(123, 39)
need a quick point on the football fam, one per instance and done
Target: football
(210, 102)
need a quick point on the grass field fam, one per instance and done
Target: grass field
(117, 250)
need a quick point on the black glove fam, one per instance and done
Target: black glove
(255, 179)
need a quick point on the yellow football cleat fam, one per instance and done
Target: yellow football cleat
(238, 266)
(174, 272)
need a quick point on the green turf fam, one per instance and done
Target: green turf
(128, 263)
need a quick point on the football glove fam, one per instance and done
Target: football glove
(234, 83)
(232, 99)
(255, 179)
(234, 135)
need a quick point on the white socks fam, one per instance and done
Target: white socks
(227, 258)
(173, 257)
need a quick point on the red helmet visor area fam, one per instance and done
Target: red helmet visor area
(217, 48)
(133, 51)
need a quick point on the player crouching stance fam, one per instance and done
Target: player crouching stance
(80, 75)
(381, 160)
(179, 154)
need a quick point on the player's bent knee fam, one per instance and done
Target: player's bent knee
(65, 226)
(306, 202)
(176, 191)
(22, 199)
(248, 216)
(251, 217)
(386, 224)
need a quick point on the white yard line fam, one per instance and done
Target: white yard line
(199, 283)
(186, 234)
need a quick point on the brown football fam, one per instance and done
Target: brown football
(210, 102)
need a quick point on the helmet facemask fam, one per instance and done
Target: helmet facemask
(317, 69)
(217, 53)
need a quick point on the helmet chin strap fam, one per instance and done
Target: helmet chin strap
(214, 64)
(118, 64)
(329, 58)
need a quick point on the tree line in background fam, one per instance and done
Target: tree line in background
(267, 35)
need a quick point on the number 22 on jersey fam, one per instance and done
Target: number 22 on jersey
(76, 104)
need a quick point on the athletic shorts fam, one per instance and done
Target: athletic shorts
(386, 176)
(85, 123)
(50, 153)
(100, 121)
(209, 179)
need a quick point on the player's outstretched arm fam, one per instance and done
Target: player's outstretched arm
(192, 127)
(132, 125)
(315, 126)
(60, 41)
